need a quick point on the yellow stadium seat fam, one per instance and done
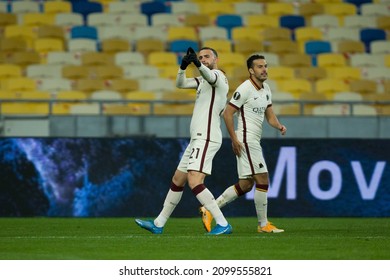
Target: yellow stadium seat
(181, 33)
(168, 71)
(122, 85)
(197, 20)
(231, 59)
(146, 46)
(38, 19)
(311, 73)
(167, 109)
(213, 9)
(308, 9)
(329, 86)
(137, 109)
(282, 47)
(220, 45)
(25, 58)
(28, 33)
(25, 108)
(349, 47)
(115, 45)
(248, 47)
(97, 58)
(106, 72)
(45, 45)
(340, 10)
(162, 58)
(280, 73)
(141, 95)
(14, 44)
(10, 71)
(296, 60)
(331, 60)
(295, 86)
(55, 7)
(276, 33)
(279, 8)
(75, 72)
(18, 84)
(363, 86)
(246, 33)
(346, 73)
(89, 85)
(262, 21)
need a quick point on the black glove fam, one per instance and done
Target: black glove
(193, 57)
(185, 61)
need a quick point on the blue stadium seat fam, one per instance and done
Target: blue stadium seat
(229, 22)
(367, 35)
(316, 47)
(291, 21)
(181, 46)
(151, 8)
(85, 8)
(85, 32)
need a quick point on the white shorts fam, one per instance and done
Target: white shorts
(199, 156)
(251, 161)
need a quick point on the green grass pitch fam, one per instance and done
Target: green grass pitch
(184, 239)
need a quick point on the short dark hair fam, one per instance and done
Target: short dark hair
(249, 62)
(211, 49)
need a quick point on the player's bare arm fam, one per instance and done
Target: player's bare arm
(273, 120)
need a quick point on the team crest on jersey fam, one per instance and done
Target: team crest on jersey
(236, 95)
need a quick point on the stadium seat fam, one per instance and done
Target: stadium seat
(340, 10)
(75, 72)
(105, 94)
(292, 21)
(246, 33)
(146, 46)
(22, 7)
(107, 72)
(212, 32)
(248, 8)
(82, 45)
(181, 33)
(359, 21)
(295, 86)
(309, 9)
(123, 85)
(296, 60)
(162, 58)
(100, 19)
(328, 59)
(96, 58)
(114, 45)
(25, 58)
(117, 32)
(150, 32)
(279, 8)
(280, 73)
(197, 20)
(151, 8)
(123, 7)
(253, 20)
(363, 86)
(331, 110)
(276, 33)
(159, 85)
(324, 21)
(51, 31)
(248, 47)
(10, 71)
(84, 32)
(36, 71)
(129, 58)
(229, 21)
(132, 20)
(214, 9)
(315, 47)
(335, 34)
(345, 73)
(37, 19)
(184, 8)
(375, 9)
(383, 22)
(18, 84)
(54, 85)
(329, 86)
(363, 110)
(165, 20)
(312, 73)
(220, 45)
(282, 47)
(367, 60)
(55, 7)
(348, 47)
(367, 35)
(140, 71)
(89, 85)
(86, 7)
(13, 44)
(380, 47)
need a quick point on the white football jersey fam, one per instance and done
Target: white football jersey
(210, 103)
(251, 103)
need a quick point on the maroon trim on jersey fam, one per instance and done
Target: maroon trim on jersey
(203, 156)
(234, 106)
(216, 79)
(243, 124)
(210, 114)
(197, 81)
(269, 105)
(198, 189)
(255, 84)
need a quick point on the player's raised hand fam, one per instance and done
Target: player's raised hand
(193, 57)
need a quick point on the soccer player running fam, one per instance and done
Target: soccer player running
(206, 139)
(252, 101)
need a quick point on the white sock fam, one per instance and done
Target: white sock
(171, 200)
(206, 198)
(227, 196)
(261, 207)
